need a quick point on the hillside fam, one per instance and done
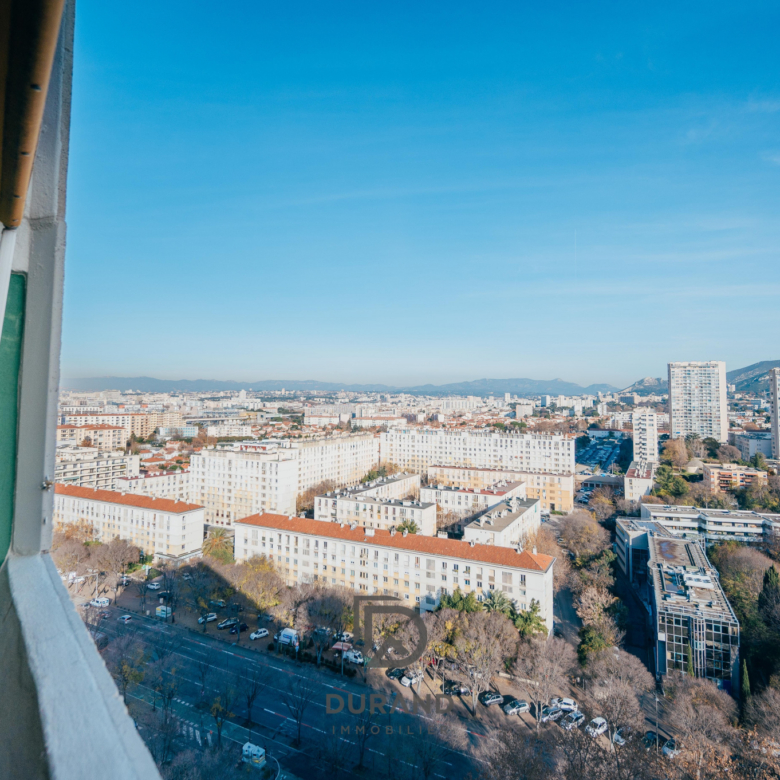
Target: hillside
(752, 379)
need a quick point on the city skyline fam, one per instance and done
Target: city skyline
(346, 194)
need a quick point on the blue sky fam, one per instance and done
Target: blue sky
(408, 193)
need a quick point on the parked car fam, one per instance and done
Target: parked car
(238, 627)
(565, 704)
(411, 678)
(105, 614)
(395, 673)
(218, 603)
(124, 581)
(353, 657)
(343, 636)
(513, 706)
(187, 575)
(490, 697)
(99, 602)
(125, 618)
(551, 714)
(572, 720)
(621, 736)
(153, 586)
(596, 727)
(650, 740)
(227, 623)
(671, 748)
(261, 633)
(452, 688)
(208, 618)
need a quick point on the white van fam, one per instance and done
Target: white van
(100, 602)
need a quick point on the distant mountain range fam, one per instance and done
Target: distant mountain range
(753, 379)
(480, 387)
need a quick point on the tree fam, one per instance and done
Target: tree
(675, 452)
(529, 622)
(593, 605)
(728, 454)
(458, 601)
(542, 666)
(430, 751)
(219, 545)
(222, 704)
(409, 526)
(689, 670)
(204, 665)
(497, 601)
(744, 688)
(485, 642)
(701, 715)
(250, 681)
(143, 591)
(305, 501)
(125, 660)
(114, 558)
(325, 611)
(583, 535)
(298, 697)
(602, 504)
(513, 755)
(769, 597)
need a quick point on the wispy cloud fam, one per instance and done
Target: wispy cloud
(772, 157)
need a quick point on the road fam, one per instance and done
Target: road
(273, 727)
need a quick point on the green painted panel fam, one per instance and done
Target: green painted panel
(10, 360)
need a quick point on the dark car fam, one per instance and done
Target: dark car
(236, 628)
(227, 623)
(452, 688)
(490, 697)
(395, 673)
(650, 740)
(217, 604)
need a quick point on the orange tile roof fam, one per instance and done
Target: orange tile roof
(128, 499)
(431, 545)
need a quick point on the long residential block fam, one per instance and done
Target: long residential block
(417, 569)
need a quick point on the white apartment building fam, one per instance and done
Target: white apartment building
(751, 443)
(713, 525)
(324, 420)
(638, 480)
(417, 569)
(401, 485)
(508, 524)
(645, 426)
(372, 512)
(230, 430)
(554, 491)
(467, 501)
(774, 398)
(161, 484)
(417, 449)
(103, 437)
(169, 530)
(379, 422)
(697, 400)
(137, 423)
(87, 467)
(256, 477)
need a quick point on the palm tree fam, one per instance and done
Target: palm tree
(497, 601)
(219, 545)
(529, 622)
(409, 526)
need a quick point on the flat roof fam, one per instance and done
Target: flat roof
(427, 545)
(500, 517)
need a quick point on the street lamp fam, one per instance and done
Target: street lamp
(655, 696)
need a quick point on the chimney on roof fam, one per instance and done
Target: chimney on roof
(473, 542)
(405, 533)
(533, 550)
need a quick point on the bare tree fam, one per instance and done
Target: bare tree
(429, 751)
(593, 604)
(514, 755)
(583, 535)
(333, 752)
(204, 666)
(325, 611)
(728, 454)
(298, 697)
(221, 705)
(541, 667)
(114, 558)
(125, 660)
(485, 642)
(250, 681)
(143, 591)
(700, 714)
